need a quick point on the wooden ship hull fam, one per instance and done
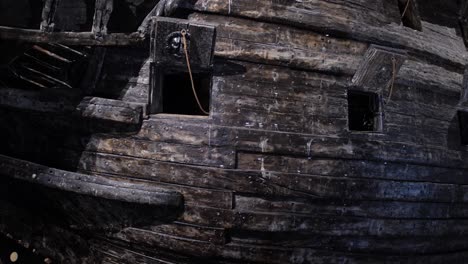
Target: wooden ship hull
(336, 131)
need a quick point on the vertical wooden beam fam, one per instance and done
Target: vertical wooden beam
(410, 14)
(48, 15)
(102, 12)
(93, 72)
(155, 98)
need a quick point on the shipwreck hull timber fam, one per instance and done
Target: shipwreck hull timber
(273, 174)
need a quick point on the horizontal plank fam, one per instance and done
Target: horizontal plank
(70, 38)
(364, 209)
(268, 182)
(173, 152)
(168, 172)
(103, 109)
(353, 21)
(39, 101)
(100, 187)
(337, 167)
(180, 229)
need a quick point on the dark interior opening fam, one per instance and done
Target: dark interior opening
(178, 96)
(409, 13)
(21, 13)
(123, 18)
(441, 12)
(463, 121)
(363, 111)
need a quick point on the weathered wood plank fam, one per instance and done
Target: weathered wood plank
(70, 38)
(107, 188)
(364, 209)
(263, 181)
(359, 147)
(337, 167)
(180, 229)
(316, 15)
(110, 110)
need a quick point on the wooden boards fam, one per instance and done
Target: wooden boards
(359, 20)
(110, 110)
(70, 38)
(274, 175)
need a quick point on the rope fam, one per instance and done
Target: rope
(184, 40)
(393, 78)
(406, 8)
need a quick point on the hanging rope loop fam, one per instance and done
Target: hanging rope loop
(183, 32)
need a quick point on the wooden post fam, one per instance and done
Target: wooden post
(102, 12)
(48, 15)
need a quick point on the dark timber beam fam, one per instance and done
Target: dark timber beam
(70, 38)
(110, 110)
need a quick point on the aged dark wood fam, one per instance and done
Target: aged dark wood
(110, 110)
(70, 38)
(379, 70)
(273, 174)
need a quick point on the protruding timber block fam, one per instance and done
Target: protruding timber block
(167, 48)
(81, 201)
(379, 68)
(110, 110)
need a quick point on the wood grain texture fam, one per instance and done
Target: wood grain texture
(110, 110)
(357, 21)
(273, 175)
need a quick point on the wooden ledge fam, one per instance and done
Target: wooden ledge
(70, 38)
(116, 189)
